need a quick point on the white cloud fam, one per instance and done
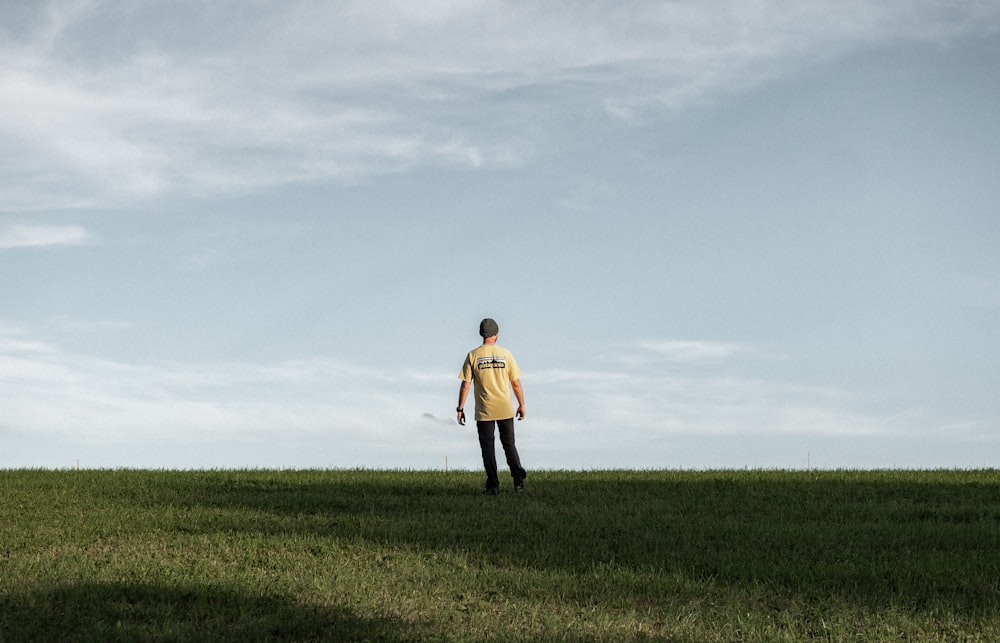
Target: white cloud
(38, 236)
(651, 404)
(644, 354)
(114, 102)
(684, 351)
(50, 397)
(320, 412)
(68, 323)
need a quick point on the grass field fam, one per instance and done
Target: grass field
(385, 555)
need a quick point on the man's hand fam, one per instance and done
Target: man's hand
(463, 391)
(519, 394)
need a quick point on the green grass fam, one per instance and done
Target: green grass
(383, 555)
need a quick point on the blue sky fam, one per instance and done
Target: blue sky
(715, 235)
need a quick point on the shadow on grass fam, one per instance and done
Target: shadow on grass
(921, 542)
(124, 612)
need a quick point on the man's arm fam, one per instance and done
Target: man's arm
(519, 394)
(463, 392)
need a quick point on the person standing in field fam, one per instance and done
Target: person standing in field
(493, 372)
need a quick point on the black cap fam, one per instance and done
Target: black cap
(488, 328)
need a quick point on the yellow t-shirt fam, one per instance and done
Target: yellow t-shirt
(491, 369)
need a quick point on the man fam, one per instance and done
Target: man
(493, 371)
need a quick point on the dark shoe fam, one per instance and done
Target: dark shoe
(492, 491)
(519, 488)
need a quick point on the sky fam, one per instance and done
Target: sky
(733, 234)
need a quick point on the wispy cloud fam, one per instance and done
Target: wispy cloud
(652, 403)
(40, 236)
(68, 323)
(648, 353)
(392, 419)
(111, 102)
(57, 397)
(685, 351)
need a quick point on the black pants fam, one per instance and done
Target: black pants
(486, 443)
